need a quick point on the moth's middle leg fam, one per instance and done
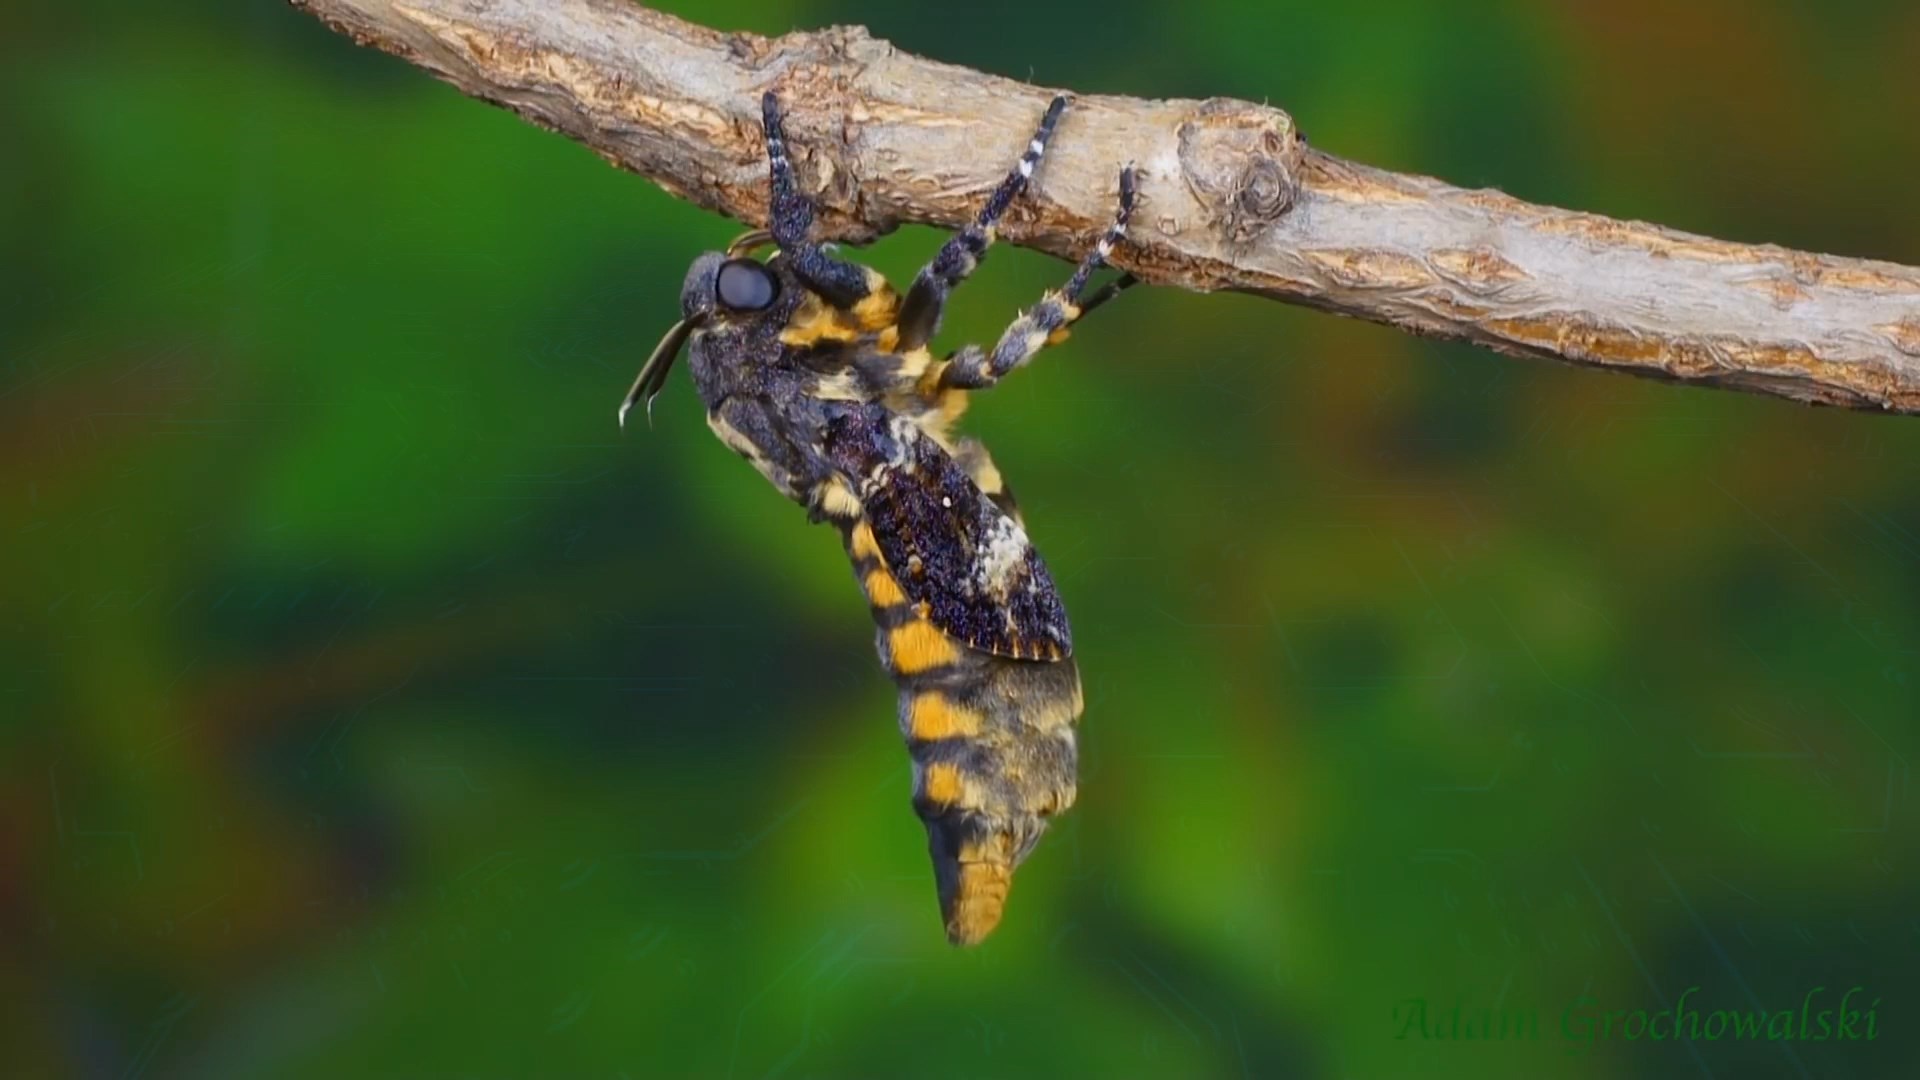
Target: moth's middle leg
(975, 369)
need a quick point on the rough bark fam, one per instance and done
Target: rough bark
(1232, 198)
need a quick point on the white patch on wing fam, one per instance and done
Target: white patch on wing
(903, 430)
(1003, 556)
(898, 457)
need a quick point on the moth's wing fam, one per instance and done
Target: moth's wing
(949, 546)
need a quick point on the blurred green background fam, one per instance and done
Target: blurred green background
(370, 704)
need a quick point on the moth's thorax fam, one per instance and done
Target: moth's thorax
(771, 379)
(730, 361)
(765, 407)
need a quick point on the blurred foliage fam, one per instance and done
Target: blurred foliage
(370, 704)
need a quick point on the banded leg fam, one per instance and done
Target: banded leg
(790, 216)
(920, 314)
(1107, 292)
(973, 457)
(973, 369)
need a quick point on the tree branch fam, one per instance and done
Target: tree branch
(1231, 198)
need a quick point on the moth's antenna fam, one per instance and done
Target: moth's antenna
(749, 242)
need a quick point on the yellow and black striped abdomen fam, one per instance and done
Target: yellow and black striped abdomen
(992, 742)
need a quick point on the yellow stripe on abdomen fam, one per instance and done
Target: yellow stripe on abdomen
(917, 647)
(932, 715)
(862, 543)
(883, 592)
(942, 785)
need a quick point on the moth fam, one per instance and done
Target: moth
(819, 373)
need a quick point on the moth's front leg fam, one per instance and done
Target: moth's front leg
(790, 223)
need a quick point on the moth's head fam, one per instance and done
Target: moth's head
(723, 288)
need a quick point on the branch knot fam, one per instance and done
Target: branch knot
(1239, 160)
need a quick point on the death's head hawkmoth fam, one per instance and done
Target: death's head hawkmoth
(816, 371)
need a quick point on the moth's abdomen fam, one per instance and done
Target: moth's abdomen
(993, 760)
(992, 742)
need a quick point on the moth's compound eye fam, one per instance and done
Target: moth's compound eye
(745, 285)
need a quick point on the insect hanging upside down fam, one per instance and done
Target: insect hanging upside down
(818, 372)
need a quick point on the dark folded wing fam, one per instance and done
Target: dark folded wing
(949, 546)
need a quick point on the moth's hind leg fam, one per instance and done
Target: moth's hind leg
(790, 213)
(974, 369)
(973, 457)
(920, 314)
